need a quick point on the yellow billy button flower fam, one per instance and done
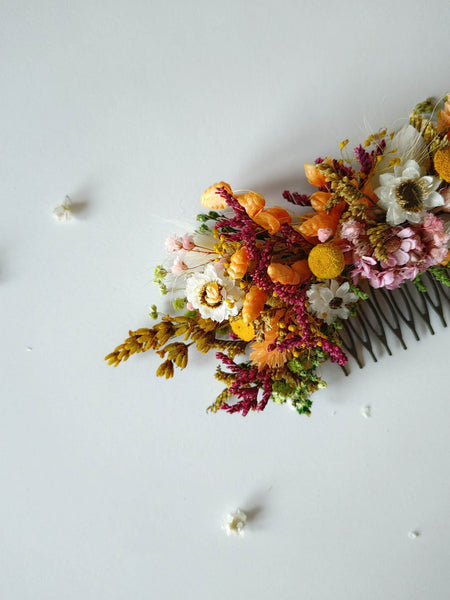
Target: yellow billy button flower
(442, 163)
(326, 261)
(243, 330)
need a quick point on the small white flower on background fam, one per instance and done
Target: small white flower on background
(405, 195)
(235, 522)
(329, 300)
(63, 212)
(216, 297)
(413, 534)
(366, 412)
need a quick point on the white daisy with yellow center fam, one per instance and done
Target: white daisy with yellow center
(329, 300)
(215, 296)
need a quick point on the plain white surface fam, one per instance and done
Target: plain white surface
(115, 483)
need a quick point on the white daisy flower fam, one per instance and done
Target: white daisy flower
(405, 195)
(329, 300)
(214, 295)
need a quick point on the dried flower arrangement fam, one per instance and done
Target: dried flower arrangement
(276, 285)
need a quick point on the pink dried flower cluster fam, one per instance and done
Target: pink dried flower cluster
(175, 243)
(410, 250)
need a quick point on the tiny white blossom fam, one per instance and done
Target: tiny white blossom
(235, 522)
(63, 212)
(366, 412)
(413, 534)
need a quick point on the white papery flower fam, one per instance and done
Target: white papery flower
(235, 522)
(214, 295)
(64, 211)
(406, 195)
(329, 300)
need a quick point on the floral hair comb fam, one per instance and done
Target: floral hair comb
(286, 290)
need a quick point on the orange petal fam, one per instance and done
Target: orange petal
(279, 213)
(322, 220)
(311, 226)
(252, 202)
(211, 199)
(314, 176)
(253, 304)
(301, 267)
(283, 274)
(319, 200)
(267, 221)
(368, 190)
(239, 263)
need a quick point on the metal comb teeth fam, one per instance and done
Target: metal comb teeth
(383, 315)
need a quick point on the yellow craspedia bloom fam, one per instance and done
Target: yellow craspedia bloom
(243, 330)
(442, 163)
(326, 261)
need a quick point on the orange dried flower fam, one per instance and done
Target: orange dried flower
(314, 176)
(443, 121)
(280, 213)
(442, 163)
(289, 275)
(283, 274)
(267, 221)
(239, 263)
(253, 304)
(260, 355)
(211, 199)
(302, 268)
(252, 202)
(243, 330)
(319, 200)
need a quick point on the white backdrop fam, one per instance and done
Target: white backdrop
(114, 482)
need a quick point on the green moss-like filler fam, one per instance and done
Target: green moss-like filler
(300, 382)
(358, 292)
(418, 282)
(440, 274)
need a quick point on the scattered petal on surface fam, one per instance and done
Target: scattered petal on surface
(366, 412)
(413, 534)
(64, 211)
(235, 522)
